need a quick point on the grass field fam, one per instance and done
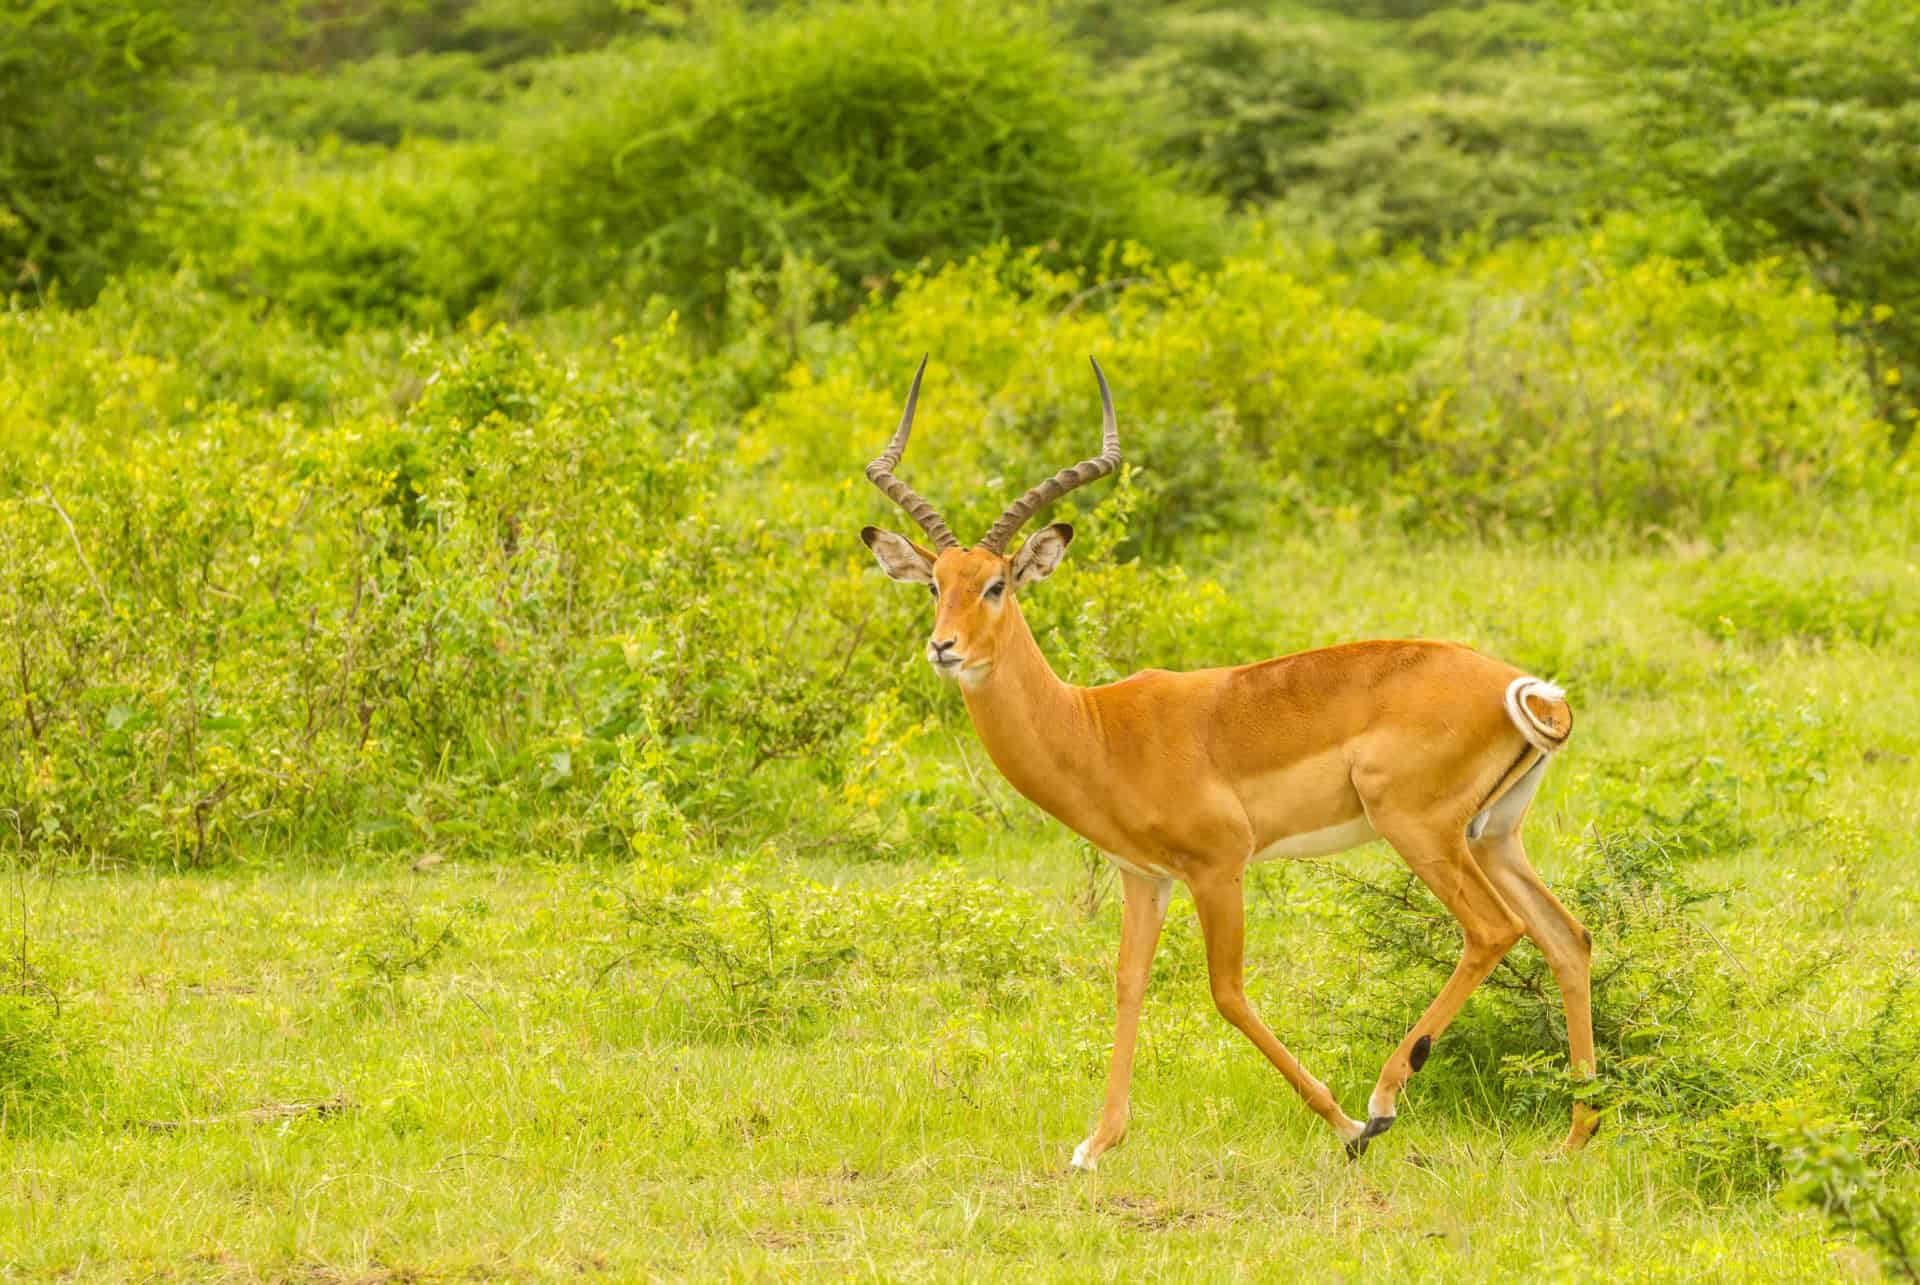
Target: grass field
(537, 1069)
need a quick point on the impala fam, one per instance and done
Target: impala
(1191, 776)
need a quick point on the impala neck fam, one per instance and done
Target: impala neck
(1039, 731)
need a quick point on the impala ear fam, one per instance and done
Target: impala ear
(898, 556)
(1041, 554)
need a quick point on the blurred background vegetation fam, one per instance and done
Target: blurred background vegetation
(391, 384)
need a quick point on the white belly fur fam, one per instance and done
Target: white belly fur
(1147, 871)
(1321, 843)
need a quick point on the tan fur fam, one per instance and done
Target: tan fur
(1192, 774)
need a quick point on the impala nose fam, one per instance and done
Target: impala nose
(940, 651)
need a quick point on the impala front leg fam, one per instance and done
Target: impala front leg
(1221, 906)
(1143, 911)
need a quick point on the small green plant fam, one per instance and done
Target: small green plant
(49, 1061)
(1829, 1172)
(401, 943)
(767, 961)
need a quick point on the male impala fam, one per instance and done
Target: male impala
(1191, 776)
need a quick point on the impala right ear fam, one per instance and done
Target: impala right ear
(898, 556)
(1041, 554)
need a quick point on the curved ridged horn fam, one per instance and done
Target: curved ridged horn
(880, 473)
(1065, 480)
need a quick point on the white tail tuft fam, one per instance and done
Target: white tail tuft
(1543, 736)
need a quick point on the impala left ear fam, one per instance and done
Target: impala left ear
(1041, 554)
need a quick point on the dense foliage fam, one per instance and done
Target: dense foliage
(286, 593)
(1795, 127)
(80, 84)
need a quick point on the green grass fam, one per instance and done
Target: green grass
(545, 1097)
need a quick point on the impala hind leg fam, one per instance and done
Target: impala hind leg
(1221, 906)
(1567, 947)
(1489, 929)
(1143, 911)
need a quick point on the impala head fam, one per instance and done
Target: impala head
(974, 588)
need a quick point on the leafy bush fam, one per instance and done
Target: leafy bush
(1794, 127)
(81, 82)
(1516, 389)
(1246, 97)
(466, 594)
(1448, 125)
(273, 627)
(1550, 408)
(1830, 1174)
(385, 99)
(404, 241)
(767, 960)
(864, 138)
(1652, 962)
(1694, 1042)
(1504, 159)
(399, 943)
(778, 961)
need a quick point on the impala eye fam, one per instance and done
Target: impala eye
(993, 591)
(934, 589)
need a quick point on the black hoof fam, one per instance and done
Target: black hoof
(1376, 1125)
(1417, 1055)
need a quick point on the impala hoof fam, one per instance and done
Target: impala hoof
(1586, 1123)
(1084, 1159)
(1376, 1125)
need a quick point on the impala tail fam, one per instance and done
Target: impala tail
(1540, 710)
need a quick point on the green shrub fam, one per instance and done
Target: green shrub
(1540, 387)
(1652, 962)
(480, 621)
(1830, 1174)
(1794, 127)
(1705, 1044)
(81, 85)
(1538, 399)
(766, 962)
(1503, 158)
(779, 962)
(398, 943)
(1245, 97)
(385, 99)
(863, 137)
(336, 38)
(402, 239)
(49, 1061)
(466, 594)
